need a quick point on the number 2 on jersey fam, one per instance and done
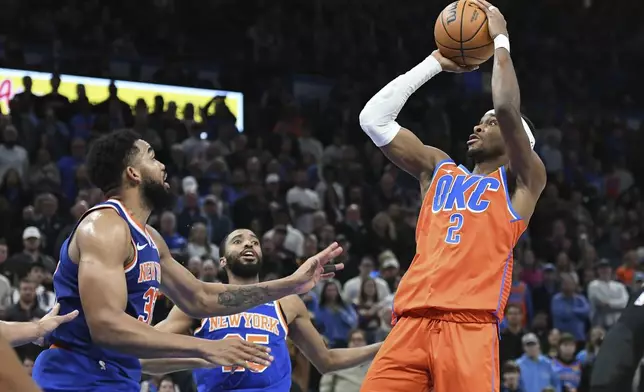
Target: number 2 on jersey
(453, 237)
(150, 297)
(252, 338)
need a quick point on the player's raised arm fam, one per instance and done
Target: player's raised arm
(20, 333)
(103, 240)
(525, 163)
(200, 299)
(309, 341)
(378, 117)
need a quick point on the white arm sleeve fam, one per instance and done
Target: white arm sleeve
(378, 117)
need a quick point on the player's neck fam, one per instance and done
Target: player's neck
(490, 165)
(131, 200)
(242, 281)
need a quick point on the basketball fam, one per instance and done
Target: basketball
(461, 34)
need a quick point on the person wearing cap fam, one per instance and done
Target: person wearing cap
(18, 265)
(389, 268)
(217, 224)
(607, 297)
(566, 365)
(537, 372)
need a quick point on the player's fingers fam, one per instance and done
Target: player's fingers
(255, 348)
(329, 268)
(328, 276)
(331, 255)
(324, 255)
(54, 311)
(68, 317)
(258, 355)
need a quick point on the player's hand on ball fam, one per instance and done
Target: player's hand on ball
(236, 353)
(496, 23)
(316, 268)
(449, 66)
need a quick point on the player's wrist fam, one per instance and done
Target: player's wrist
(502, 41)
(432, 65)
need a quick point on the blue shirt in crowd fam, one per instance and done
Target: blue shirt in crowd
(569, 314)
(537, 374)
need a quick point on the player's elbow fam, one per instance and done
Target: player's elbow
(327, 363)
(104, 329)
(366, 118)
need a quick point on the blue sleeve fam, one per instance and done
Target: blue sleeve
(560, 309)
(581, 307)
(349, 316)
(554, 379)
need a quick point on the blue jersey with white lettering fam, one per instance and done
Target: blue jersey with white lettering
(75, 362)
(568, 373)
(264, 324)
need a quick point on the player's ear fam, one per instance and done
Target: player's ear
(222, 262)
(132, 175)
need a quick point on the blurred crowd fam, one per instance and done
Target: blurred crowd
(302, 174)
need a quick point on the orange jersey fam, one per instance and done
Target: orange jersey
(465, 236)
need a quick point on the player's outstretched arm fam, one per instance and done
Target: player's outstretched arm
(34, 331)
(524, 162)
(307, 339)
(177, 322)
(13, 377)
(200, 299)
(104, 244)
(378, 118)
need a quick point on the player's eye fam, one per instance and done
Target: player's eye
(255, 243)
(236, 242)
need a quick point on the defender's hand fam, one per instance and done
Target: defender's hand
(317, 268)
(236, 353)
(449, 66)
(51, 321)
(496, 23)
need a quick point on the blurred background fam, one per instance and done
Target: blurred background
(253, 107)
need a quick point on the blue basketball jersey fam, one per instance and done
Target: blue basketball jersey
(264, 324)
(75, 362)
(569, 374)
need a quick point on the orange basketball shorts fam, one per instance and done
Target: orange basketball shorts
(439, 352)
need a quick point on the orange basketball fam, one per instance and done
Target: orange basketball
(461, 34)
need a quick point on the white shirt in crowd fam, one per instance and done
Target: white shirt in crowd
(614, 297)
(294, 240)
(46, 299)
(351, 289)
(305, 198)
(195, 250)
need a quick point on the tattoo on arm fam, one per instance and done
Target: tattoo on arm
(245, 296)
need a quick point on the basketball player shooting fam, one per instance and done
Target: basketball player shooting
(450, 301)
(112, 268)
(268, 324)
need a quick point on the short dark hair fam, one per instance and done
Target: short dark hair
(222, 246)
(26, 280)
(511, 367)
(108, 157)
(567, 338)
(513, 305)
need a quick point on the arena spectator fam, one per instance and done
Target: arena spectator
(570, 311)
(335, 317)
(607, 297)
(536, 370)
(348, 380)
